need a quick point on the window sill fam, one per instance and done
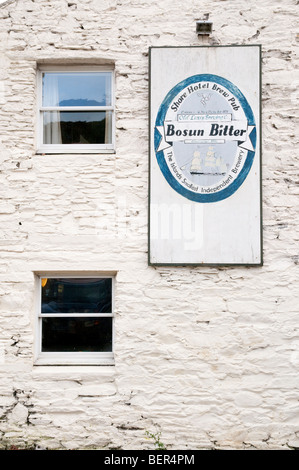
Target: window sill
(74, 151)
(73, 372)
(75, 359)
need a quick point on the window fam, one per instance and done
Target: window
(75, 110)
(75, 320)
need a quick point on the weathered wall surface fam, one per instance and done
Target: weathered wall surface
(207, 356)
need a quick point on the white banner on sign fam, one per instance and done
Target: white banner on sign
(176, 131)
(205, 196)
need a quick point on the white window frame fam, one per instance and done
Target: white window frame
(70, 358)
(73, 148)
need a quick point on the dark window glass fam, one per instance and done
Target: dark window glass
(77, 334)
(77, 127)
(76, 295)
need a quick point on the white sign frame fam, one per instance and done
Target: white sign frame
(205, 106)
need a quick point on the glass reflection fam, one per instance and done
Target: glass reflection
(77, 127)
(77, 296)
(77, 89)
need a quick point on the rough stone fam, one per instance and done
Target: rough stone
(207, 356)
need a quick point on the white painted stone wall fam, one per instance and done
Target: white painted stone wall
(208, 357)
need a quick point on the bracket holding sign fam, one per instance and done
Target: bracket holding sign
(205, 163)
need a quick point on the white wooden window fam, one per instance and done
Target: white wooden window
(75, 320)
(75, 109)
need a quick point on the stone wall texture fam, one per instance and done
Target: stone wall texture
(207, 356)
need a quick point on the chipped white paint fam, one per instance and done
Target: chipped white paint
(207, 356)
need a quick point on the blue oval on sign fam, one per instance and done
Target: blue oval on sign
(205, 138)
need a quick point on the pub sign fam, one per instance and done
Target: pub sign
(204, 194)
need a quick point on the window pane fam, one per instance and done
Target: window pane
(76, 295)
(76, 334)
(77, 89)
(77, 127)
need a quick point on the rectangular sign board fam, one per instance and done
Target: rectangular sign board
(205, 162)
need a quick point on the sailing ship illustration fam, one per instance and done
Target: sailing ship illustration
(208, 164)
